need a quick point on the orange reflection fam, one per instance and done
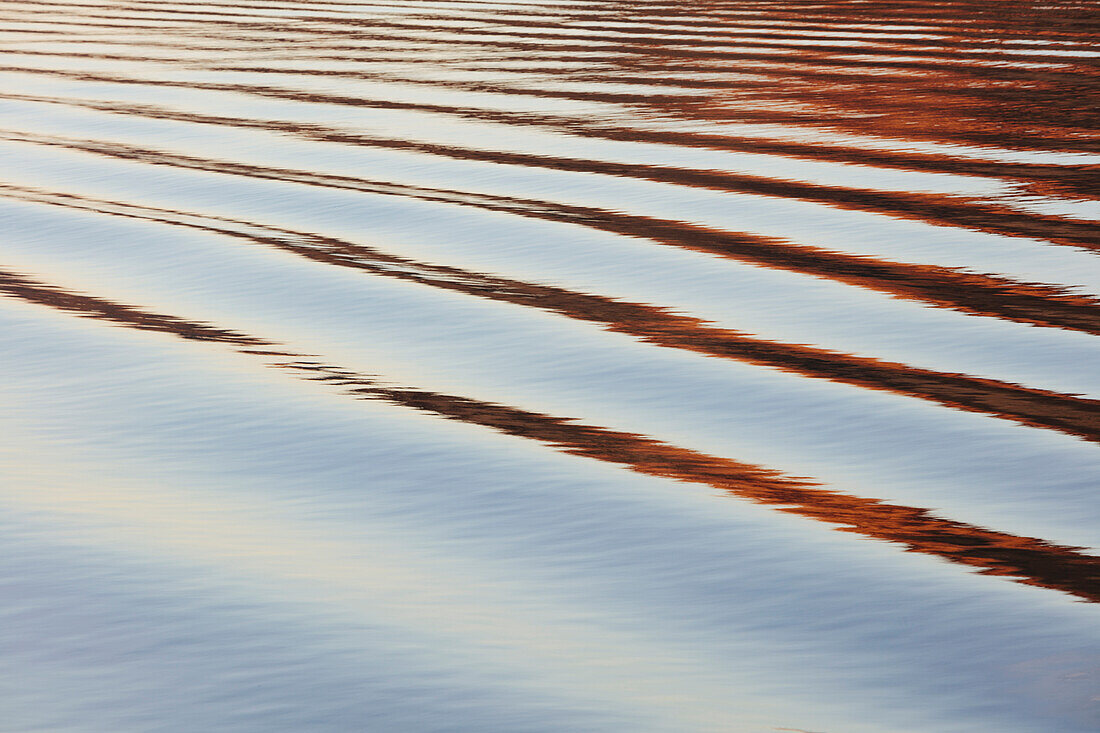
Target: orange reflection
(652, 324)
(1028, 560)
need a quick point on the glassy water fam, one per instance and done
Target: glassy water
(673, 366)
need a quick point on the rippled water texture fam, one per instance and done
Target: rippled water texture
(516, 367)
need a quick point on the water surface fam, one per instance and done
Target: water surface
(572, 366)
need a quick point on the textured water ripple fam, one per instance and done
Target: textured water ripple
(512, 366)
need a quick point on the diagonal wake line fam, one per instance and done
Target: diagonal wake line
(696, 82)
(968, 292)
(520, 35)
(651, 324)
(1024, 559)
(549, 29)
(1078, 181)
(821, 79)
(936, 209)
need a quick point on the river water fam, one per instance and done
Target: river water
(520, 367)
